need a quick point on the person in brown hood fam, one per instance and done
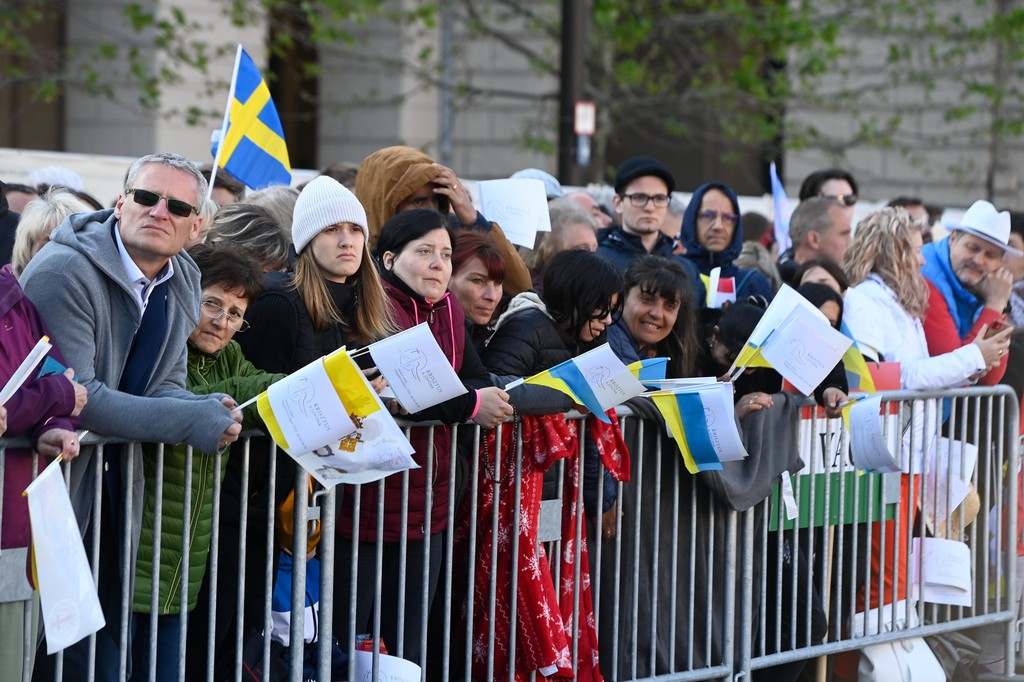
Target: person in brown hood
(397, 179)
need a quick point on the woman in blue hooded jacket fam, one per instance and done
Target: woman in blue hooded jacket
(713, 238)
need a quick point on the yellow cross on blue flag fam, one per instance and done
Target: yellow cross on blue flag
(251, 144)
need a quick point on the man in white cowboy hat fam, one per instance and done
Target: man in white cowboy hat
(969, 287)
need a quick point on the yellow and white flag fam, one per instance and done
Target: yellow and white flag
(330, 420)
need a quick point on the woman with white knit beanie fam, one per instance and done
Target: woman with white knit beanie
(331, 297)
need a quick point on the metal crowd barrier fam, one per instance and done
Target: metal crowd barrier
(688, 587)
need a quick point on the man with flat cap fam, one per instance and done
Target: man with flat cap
(643, 190)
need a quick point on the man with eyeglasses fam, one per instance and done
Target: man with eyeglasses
(643, 190)
(713, 237)
(122, 298)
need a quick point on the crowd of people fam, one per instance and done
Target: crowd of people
(171, 309)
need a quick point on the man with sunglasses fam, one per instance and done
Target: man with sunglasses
(122, 298)
(643, 191)
(831, 183)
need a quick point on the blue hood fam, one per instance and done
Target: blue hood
(704, 259)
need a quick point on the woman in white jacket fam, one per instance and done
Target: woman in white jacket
(884, 264)
(884, 312)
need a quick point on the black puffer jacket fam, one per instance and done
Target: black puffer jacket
(282, 338)
(526, 343)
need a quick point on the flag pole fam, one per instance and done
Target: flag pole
(224, 123)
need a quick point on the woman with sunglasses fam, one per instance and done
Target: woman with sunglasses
(713, 237)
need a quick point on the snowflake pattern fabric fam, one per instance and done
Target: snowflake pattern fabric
(541, 613)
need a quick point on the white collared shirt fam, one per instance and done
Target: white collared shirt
(141, 284)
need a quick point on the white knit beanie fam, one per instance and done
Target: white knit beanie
(322, 203)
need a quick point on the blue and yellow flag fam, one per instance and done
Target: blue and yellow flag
(652, 369)
(568, 379)
(858, 377)
(684, 416)
(251, 145)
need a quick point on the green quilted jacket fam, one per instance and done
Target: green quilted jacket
(225, 372)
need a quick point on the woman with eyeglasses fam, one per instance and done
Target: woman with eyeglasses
(231, 278)
(713, 237)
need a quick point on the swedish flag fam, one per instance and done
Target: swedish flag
(252, 146)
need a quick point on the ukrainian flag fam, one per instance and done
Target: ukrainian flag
(684, 416)
(251, 146)
(858, 377)
(652, 369)
(568, 379)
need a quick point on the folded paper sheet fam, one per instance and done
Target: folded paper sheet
(868, 448)
(519, 205)
(945, 566)
(67, 593)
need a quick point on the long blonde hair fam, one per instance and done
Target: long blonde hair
(881, 246)
(374, 320)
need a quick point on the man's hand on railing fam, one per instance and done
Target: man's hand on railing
(58, 442)
(609, 521)
(494, 407)
(3, 420)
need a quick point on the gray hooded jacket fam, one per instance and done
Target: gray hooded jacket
(81, 289)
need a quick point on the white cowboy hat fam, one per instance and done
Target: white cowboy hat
(984, 221)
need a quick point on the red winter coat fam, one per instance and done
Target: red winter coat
(447, 322)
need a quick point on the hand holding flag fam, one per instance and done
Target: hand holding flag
(596, 379)
(330, 420)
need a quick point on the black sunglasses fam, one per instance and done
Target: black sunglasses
(843, 199)
(144, 197)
